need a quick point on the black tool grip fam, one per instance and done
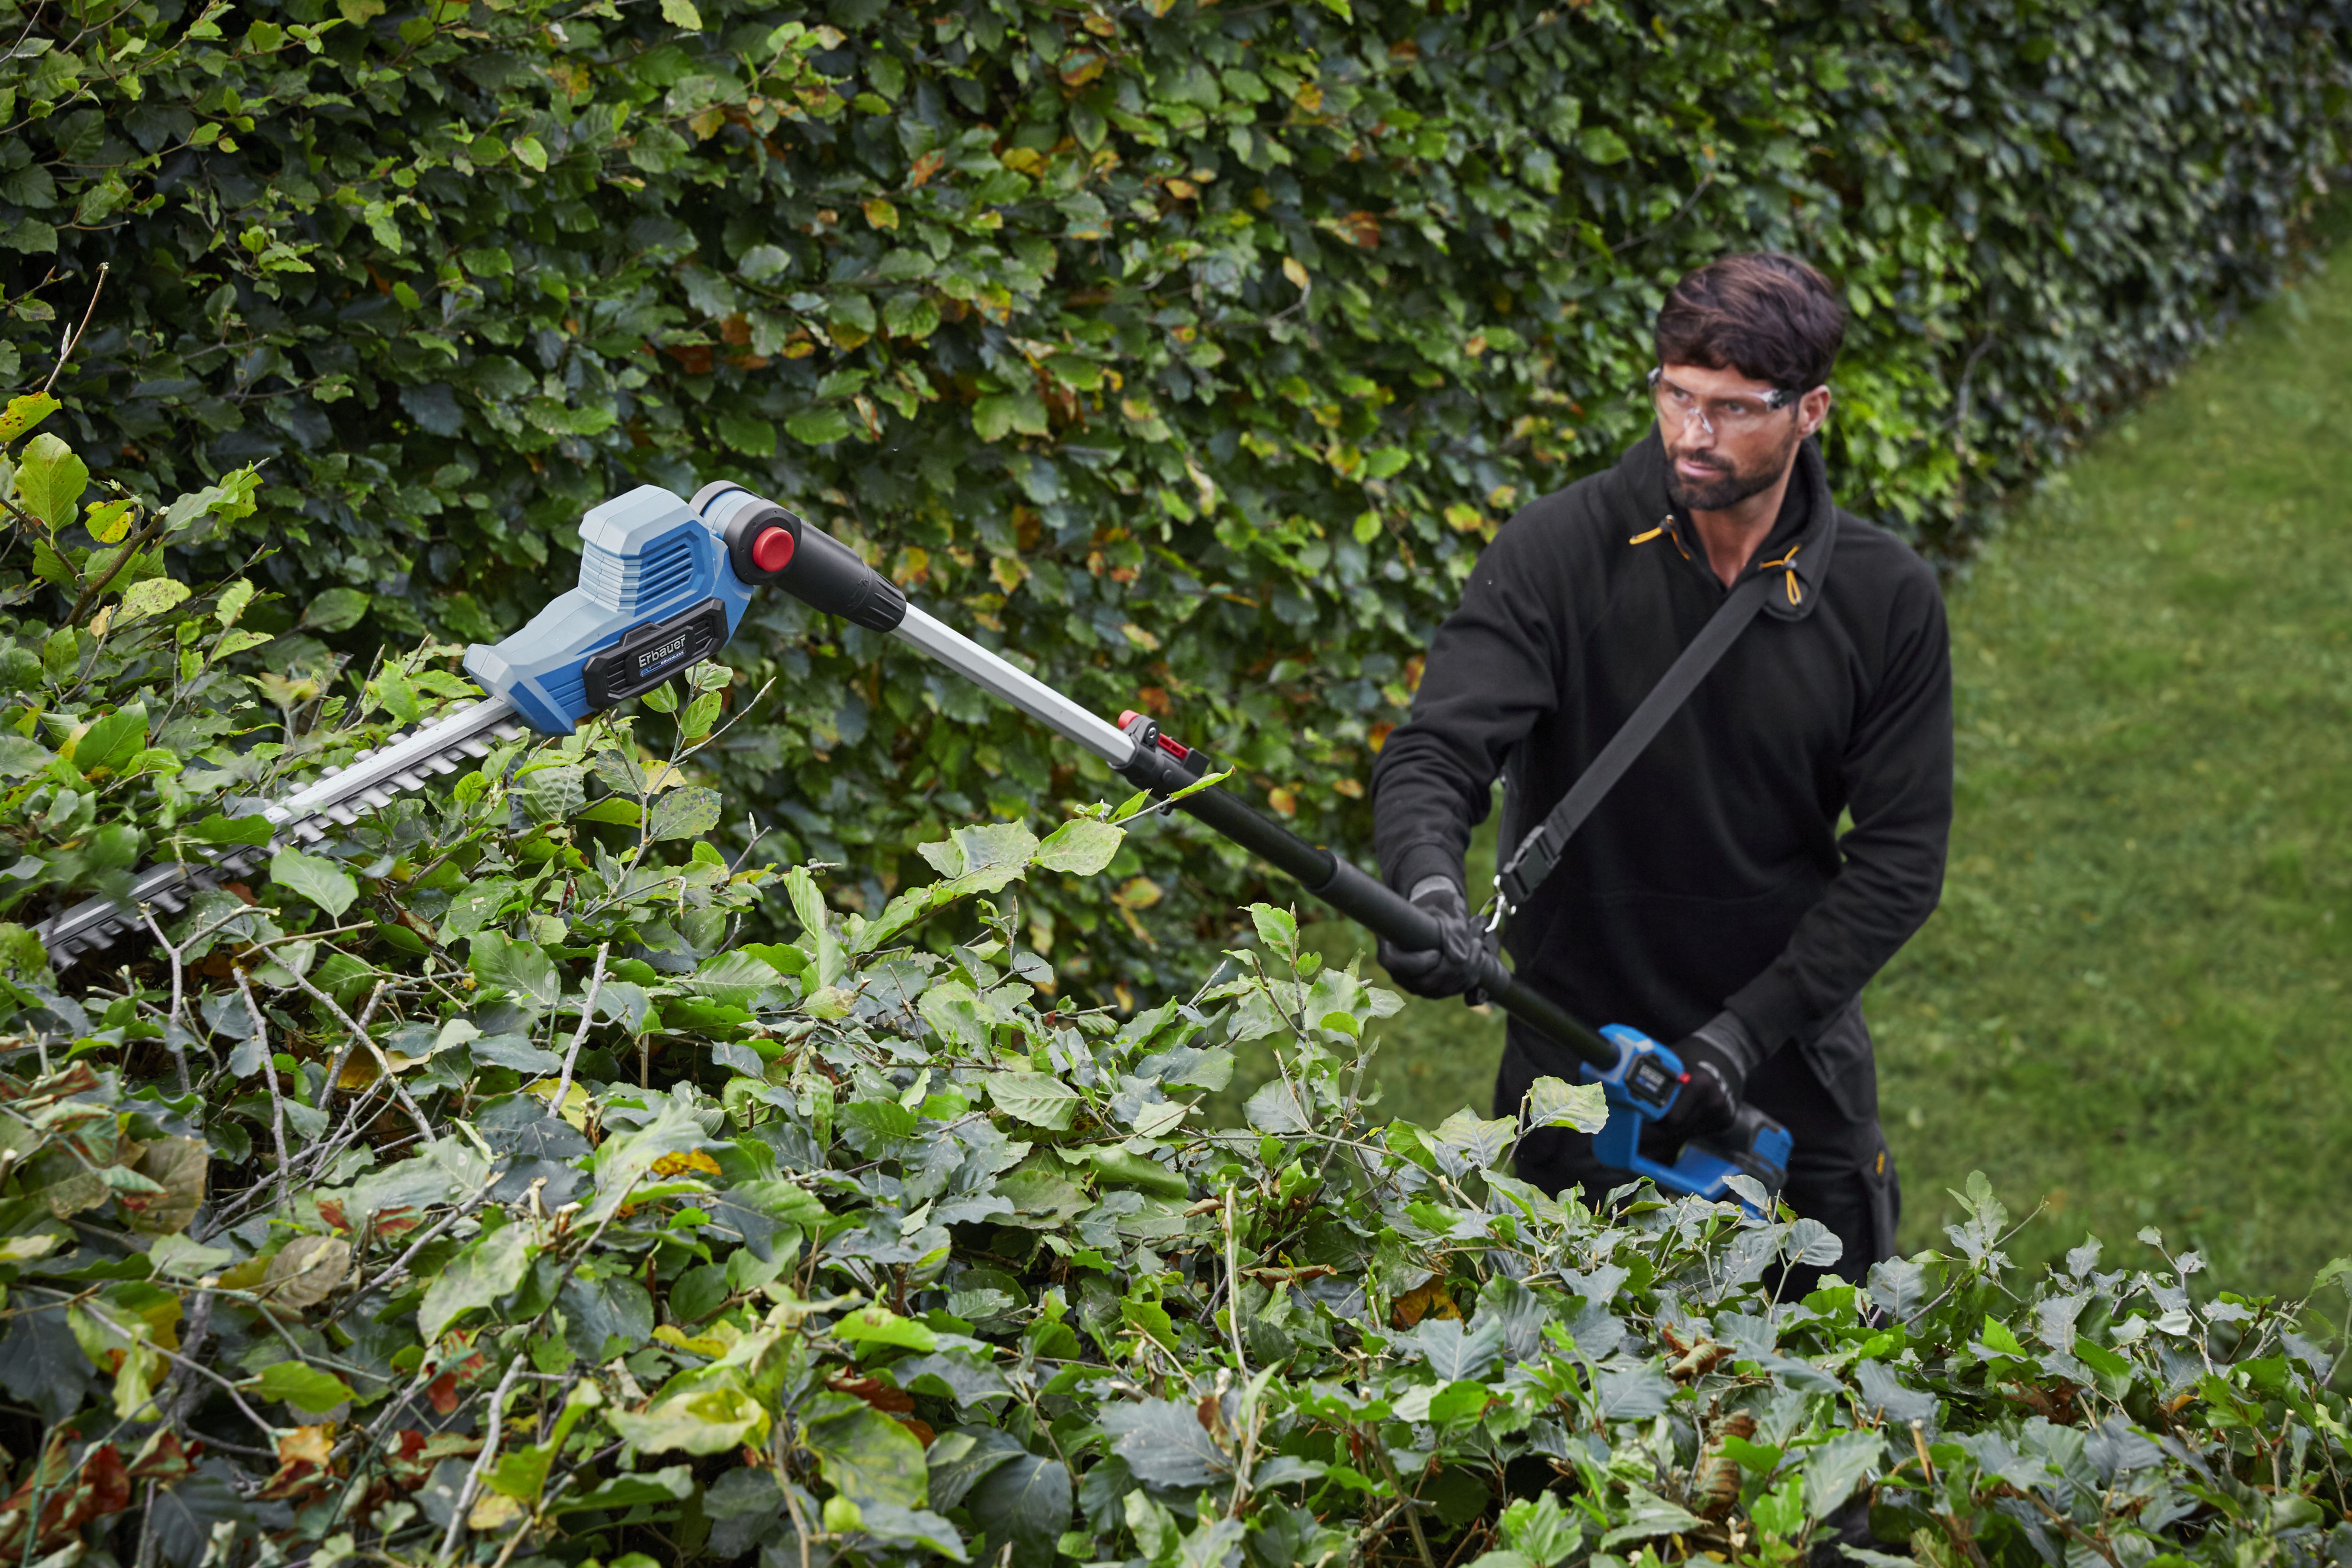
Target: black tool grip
(1363, 899)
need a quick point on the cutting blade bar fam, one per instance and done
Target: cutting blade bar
(338, 796)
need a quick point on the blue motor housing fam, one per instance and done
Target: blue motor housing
(1640, 1087)
(656, 593)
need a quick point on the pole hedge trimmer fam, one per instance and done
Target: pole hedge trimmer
(663, 585)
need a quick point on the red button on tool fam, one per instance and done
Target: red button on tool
(772, 550)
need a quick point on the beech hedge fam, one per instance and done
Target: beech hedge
(463, 1189)
(1189, 350)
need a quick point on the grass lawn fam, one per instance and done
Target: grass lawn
(2132, 1005)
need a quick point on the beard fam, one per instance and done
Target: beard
(1731, 484)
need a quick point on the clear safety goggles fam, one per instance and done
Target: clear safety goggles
(1729, 417)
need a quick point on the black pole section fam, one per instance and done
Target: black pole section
(1362, 899)
(828, 576)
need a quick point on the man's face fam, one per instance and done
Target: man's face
(1724, 444)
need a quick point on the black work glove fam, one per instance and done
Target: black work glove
(1453, 965)
(1716, 1059)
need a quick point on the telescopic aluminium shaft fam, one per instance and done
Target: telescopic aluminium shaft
(824, 574)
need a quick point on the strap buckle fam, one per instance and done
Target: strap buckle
(1497, 909)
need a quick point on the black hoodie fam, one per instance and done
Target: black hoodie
(1712, 876)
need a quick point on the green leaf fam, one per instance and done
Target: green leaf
(685, 813)
(997, 416)
(1997, 1336)
(674, 1483)
(682, 14)
(817, 426)
(879, 1325)
(1599, 144)
(21, 758)
(110, 742)
(868, 1458)
(808, 904)
(1116, 1167)
(251, 832)
(475, 905)
(910, 316)
(747, 433)
(304, 1387)
(1081, 846)
(1039, 1099)
(336, 609)
(109, 521)
(731, 979)
(1835, 1468)
(520, 969)
(1556, 1102)
(984, 858)
(2114, 1374)
(1651, 1516)
(1026, 1504)
(50, 480)
(699, 1421)
(322, 882)
(490, 1267)
(25, 411)
(149, 596)
(1279, 929)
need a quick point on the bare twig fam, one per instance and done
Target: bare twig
(359, 1033)
(73, 338)
(579, 1036)
(269, 1078)
(1234, 1287)
(172, 1019)
(490, 1431)
(1405, 1501)
(335, 1066)
(400, 1265)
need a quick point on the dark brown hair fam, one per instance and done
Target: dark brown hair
(1768, 316)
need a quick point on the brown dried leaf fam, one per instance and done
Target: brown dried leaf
(1428, 1300)
(182, 1167)
(307, 1269)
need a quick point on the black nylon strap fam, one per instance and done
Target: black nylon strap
(1539, 851)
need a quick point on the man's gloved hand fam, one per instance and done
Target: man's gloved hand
(1451, 967)
(1718, 1057)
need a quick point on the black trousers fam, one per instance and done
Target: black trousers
(1825, 1092)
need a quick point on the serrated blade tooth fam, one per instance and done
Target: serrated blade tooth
(376, 796)
(412, 779)
(341, 814)
(475, 748)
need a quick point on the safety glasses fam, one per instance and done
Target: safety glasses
(1725, 416)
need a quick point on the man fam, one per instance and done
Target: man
(1708, 900)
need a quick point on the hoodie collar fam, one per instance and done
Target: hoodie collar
(1798, 549)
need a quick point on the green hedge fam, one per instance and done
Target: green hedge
(1193, 350)
(455, 1193)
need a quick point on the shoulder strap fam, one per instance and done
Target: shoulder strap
(1539, 851)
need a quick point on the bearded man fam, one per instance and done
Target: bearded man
(1710, 899)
